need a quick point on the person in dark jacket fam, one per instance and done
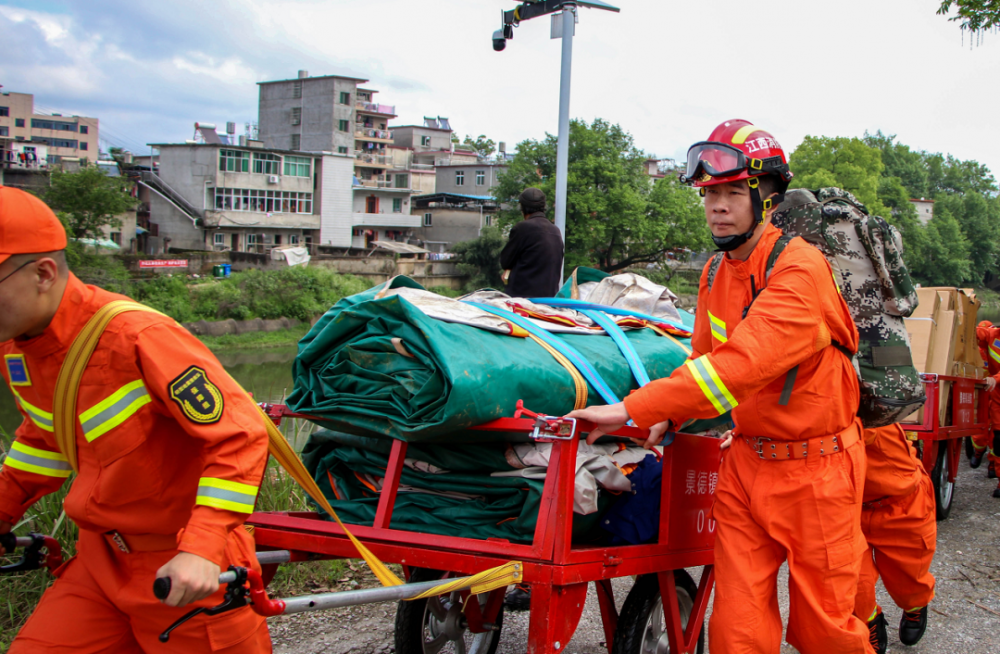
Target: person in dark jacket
(534, 251)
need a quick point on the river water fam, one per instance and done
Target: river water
(265, 372)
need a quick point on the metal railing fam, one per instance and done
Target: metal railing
(377, 159)
(369, 132)
(375, 107)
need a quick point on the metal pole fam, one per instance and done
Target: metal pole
(562, 148)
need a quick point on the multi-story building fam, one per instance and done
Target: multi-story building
(462, 205)
(418, 149)
(248, 198)
(475, 178)
(335, 114)
(925, 209)
(70, 137)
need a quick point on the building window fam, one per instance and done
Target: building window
(84, 129)
(260, 201)
(277, 239)
(425, 140)
(297, 89)
(19, 122)
(459, 178)
(397, 205)
(4, 131)
(234, 161)
(345, 97)
(219, 238)
(116, 238)
(253, 239)
(489, 220)
(296, 142)
(56, 143)
(480, 177)
(427, 220)
(342, 149)
(4, 111)
(84, 145)
(298, 166)
(402, 181)
(296, 115)
(344, 125)
(37, 123)
(266, 163)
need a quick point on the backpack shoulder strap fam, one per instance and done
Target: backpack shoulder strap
(713, 268)
(779, 247)
(71, 373)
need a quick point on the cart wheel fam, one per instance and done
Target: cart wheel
(437, 624)
(641, 626)
(943, 489)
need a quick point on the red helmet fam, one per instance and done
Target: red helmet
(735, 150)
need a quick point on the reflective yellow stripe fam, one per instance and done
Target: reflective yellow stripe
(41, 418)
(226, 494)
(116, 409)
(718, 328)
(41, 462)
(711, 384)
(741, 136)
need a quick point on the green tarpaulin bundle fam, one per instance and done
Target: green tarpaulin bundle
(464, 501)
(382, 367)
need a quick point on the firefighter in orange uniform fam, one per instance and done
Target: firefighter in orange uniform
(899, 522)
(771, 348)
(989, 443)
(170, 452)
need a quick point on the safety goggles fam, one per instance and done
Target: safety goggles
(714, 159)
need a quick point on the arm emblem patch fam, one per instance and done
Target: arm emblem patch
(17, 370)
(198, 398)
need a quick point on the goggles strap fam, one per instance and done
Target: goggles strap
(759, 206)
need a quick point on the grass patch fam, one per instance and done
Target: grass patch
(447, 292)
(280, 338)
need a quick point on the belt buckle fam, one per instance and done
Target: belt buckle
(758, 445)
(117, 539)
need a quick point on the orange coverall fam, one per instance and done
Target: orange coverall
(989, 345)
(805, 510)
(171, 453)
(899, 523)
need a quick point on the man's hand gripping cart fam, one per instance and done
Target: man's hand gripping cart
(665, 608)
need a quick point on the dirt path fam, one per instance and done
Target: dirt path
(967, 567)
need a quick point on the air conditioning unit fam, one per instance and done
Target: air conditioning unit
(273, 179)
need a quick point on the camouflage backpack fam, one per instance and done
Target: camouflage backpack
(866, 254)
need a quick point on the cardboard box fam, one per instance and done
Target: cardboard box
(928, 303)
(970, 309)
(947, 297)
(921, 332)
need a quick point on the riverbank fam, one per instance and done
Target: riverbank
(280, 338)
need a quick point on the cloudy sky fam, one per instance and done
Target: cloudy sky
(667, 71)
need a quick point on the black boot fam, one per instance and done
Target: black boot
(877, 635)
(912, 626)
(518, 599)
(996, 491)
(991, 471)
(977, 457)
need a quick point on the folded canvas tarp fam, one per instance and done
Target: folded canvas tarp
(449, 491)
(381, 366)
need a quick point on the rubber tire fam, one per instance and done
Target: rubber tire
(409, 632)
(944, 498)
(641, 600)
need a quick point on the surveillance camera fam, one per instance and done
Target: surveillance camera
(499, 41)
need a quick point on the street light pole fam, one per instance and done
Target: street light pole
(562, 147)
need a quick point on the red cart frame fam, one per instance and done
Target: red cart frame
(557, 570)
(970, 416)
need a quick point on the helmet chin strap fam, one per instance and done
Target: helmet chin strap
(760, 209)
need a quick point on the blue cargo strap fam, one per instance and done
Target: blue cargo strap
(621, 340)
(564, 348)
(580, 305)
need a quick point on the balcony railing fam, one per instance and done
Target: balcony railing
(373, 183)
(369, 133)
(376, 108)
(373, 159)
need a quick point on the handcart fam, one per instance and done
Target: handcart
(665, 608)
(939, 442)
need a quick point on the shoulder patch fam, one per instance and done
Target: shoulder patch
(198, 398)
(17, 370)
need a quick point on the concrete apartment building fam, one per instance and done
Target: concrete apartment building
(22, 131)
(460, 207)
(925, 209)
(418, 149)
(337, 115)
(248, 198)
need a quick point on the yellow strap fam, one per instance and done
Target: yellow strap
(578, 381)
(64, 423)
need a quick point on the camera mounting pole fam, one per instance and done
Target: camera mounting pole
(527, 11)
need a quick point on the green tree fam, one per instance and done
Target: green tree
(480, 259)
(89, 200)
(615, 216)
(902, 162)
(848, 163)
(976, 16)
(945, 258)
(483, 146)
(979, 219)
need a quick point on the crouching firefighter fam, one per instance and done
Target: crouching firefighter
(770, 344)
(168, 451)
(988, 443)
